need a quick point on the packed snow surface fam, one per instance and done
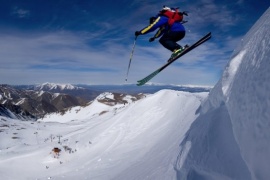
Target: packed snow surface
(138, 140)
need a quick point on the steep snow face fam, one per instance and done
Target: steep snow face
(230, 139)
(248, 100)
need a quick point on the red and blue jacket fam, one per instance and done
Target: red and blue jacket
(162, 23)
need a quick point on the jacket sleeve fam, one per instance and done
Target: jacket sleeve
(160, 21)
(160, 32)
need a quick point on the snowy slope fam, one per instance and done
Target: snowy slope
(136, 140)
(230, 139)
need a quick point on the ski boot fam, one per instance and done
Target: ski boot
(177, 52)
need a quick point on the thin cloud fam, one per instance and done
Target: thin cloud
(211, 14)
(64, 52)
(20, 12)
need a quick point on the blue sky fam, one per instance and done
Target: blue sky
(89, 42)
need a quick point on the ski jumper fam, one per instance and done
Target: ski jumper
(170, 33)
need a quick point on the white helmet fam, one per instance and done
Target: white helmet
(166, 8)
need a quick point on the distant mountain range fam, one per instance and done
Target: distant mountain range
(84, 93)
(35, 101)
(90, 92)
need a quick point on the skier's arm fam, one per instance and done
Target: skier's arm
(156, 24)
(158, 33)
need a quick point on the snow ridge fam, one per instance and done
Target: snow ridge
(230, 139)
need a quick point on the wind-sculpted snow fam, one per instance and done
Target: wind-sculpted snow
(230, 139)
(249, 100)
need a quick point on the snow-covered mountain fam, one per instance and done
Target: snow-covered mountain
(15, 112)
(104, 103)
(35, 103)
(90, 92)
(230, 139)
(104, 140)
(54, 86)
(167, 135)
(83, 93)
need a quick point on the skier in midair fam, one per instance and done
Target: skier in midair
(170, 28)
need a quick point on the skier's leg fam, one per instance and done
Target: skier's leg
(169, 39)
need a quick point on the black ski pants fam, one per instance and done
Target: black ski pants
(169, 39)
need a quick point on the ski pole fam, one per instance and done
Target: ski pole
(131, 55)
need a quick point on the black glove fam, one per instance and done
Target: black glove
(152, 19)
(151, 39)
(185, 13)
(137, 33)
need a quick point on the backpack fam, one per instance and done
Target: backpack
(173, 14)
